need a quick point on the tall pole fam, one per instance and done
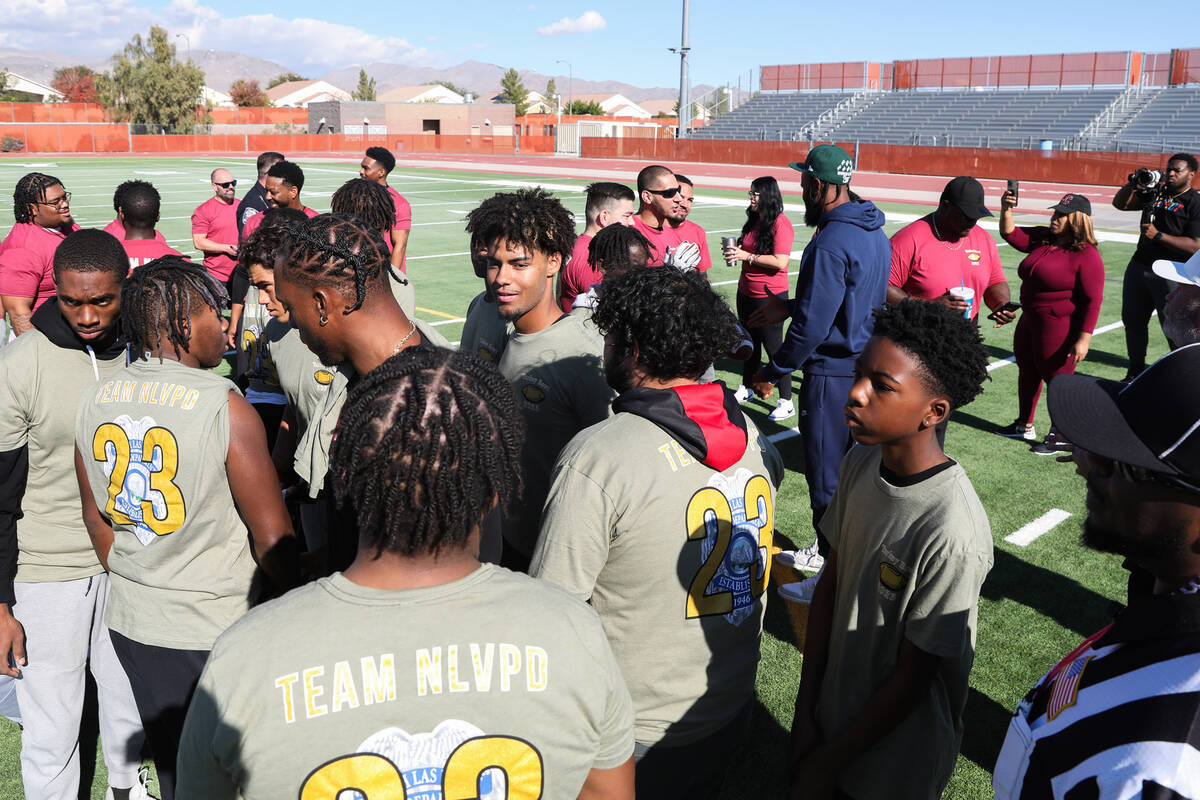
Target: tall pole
(570, 80)
(685, 89)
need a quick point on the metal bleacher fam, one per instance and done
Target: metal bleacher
(1170, 120)
(771, 115)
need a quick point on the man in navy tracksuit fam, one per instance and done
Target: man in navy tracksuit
(843, 276)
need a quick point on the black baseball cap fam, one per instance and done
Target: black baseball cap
(966, 194)
(1073, 202)
(1150, 422)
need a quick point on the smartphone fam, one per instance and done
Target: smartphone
(1006, 306)
(1013, 186)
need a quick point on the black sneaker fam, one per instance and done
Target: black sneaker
(1052, 445)
(1018, 431)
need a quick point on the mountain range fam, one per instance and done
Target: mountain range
(223, 67)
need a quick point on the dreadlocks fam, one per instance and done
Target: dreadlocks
(161, 296)
(368, 201)
(337, 249)
(615, 249)
(427, 442)
(531, 218)
(31, 189)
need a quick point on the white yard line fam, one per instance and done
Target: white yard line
(1040, 526)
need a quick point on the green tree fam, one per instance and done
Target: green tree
(366, 87)
(586, 108)
(149, 86)
(551, 90)
(247, 94)
(284, 77)
(513, 91)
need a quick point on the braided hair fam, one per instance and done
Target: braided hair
(612, 249)
(340, 250)
(161, 296)
(31, 189)
(532, 218)
(427, 443)
(367, 200)
(271, 240)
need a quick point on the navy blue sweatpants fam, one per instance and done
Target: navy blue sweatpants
(826, 439)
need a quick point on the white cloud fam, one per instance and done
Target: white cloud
(100, 28)
(588, 21)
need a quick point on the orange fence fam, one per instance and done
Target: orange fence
(52, 112)
(1065, 166)
(69, 138)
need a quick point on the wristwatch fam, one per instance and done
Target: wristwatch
(1157, 235)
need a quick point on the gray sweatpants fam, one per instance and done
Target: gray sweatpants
(64, 630)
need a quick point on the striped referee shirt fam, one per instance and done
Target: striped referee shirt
(1117, 718)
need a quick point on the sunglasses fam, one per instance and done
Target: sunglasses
(664, 192)
(62, 201)
(1133, 474)
(227, 184)
(752, 194)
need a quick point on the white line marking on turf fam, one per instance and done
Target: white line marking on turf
(781, 435)
(447, 321)
(1042, 525)
(1004, 362)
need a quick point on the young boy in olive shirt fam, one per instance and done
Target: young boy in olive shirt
(891, 632)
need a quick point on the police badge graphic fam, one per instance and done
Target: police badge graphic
(421, 758)
(135, 489)
(744, 561)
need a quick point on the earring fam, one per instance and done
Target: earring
(323, 321)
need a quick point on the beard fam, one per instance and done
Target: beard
(1162, 544)
(618, 373)
(813, 210)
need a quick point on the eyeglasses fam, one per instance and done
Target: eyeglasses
(668, 193)
(1134, 474)
(227, 184)
(752, 194)
(62, 201)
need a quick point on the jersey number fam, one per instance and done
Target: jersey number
(258, 360)
(158, 442)
(710, 507)
(377, 778)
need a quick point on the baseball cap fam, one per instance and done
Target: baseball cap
(827, 162)
(1073, 202)
(1179, 271)
(966, 194)
(1148, 422)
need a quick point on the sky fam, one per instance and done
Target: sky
(616, 40)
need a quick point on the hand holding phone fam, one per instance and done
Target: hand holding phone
(1008, 310)
(1014, 186)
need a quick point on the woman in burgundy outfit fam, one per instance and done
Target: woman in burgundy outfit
(1062, 285)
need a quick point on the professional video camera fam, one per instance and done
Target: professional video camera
(1147, 182)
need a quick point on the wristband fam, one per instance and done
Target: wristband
(1157, 236)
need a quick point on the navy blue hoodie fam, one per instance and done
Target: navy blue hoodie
(843, 276)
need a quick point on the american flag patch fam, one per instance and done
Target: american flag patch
(1066, 688)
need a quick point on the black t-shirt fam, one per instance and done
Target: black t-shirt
(254, 202)
(1174, 216)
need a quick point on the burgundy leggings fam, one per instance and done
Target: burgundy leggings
(1041, 343)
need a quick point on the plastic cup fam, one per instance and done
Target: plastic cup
(726, 243)
(965, 294)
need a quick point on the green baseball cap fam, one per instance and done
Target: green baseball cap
(827, 162)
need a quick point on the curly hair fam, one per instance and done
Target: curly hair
(289, 172)
(337, 250)
(762, 219)
(161, 296)
(947, 345)
(271, 240)
(427, 443)
(122, 188)
(678, 323)
(30, 190)
(383, 157)
(612, 249)
(91, 250)
(141, 203)
(366, 200)
(532, 218)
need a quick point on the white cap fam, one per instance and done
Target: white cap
(1179, 271)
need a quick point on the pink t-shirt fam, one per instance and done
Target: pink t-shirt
(577, 276)
(253, 222)
(217, 221)
(142, 251)
(757, 281)
(660, 240)
(926, 267)
(118, 230)
(27, 261)
(689, 231)
(403, 221)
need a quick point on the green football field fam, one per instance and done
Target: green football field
(1040, 599)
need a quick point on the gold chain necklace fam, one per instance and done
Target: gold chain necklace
(938, 235)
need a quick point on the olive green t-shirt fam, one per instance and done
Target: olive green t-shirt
(41, 388)
(312, 448)
(666, 551)
(558, 374)
(484, 333)
(910, 564)
(154, 439)
(303, 378)
(420, 693)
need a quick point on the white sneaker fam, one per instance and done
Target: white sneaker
(808, 559)
(742, 394)
(784, 410)
(139, 790)
(801, 591)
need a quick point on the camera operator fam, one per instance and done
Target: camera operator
(1170, 230)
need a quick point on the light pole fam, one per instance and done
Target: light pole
(187, 41)
(570, 80)
(685, 89)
